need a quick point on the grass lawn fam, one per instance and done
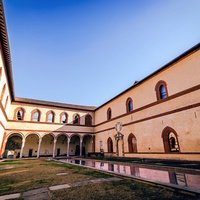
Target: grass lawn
(23, 175)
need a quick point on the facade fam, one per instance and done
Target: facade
(158, 117)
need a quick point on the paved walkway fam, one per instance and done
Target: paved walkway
(44, 193)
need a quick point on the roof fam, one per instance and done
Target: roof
(137, 83)
(54, 104)
(6, 51)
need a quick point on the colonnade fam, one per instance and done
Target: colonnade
(72, 140)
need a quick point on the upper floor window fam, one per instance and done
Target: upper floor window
(88, 120)
(76, 119)
(63, 118)
(36, 116)
(19, 114)
(109, 114)
(161, 90)
(129, 105)
(50, 116)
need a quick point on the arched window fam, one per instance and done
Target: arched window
(76, 119)
(50, 117)
(19, 114)
(88, 120)
(36, 115)
(63, 118)
(109, 114)
(170, 140)
(161, 90)
(110, 145)
(3, 91)
(132, 143)
(129, 105)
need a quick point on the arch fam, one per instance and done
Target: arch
(19, 113)
(61, 144)
(2, 92)
(110, 145)
(76, 119)
(35, 115)
(75, 144)
(170, 140)
(88, 120)
(13, 145)
(31, 145)
(63, 118)
(129, 105)
(109, 114)
(47, 144)
(161, 90)
(50, 116)
(87, 144)
(132, 143)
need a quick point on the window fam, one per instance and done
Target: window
(132, 143)
(161, 90)
(36, 115)
(19, 114)
(3, 91)
(63, 118)
(170, 140)
(110, 145)
(88, 120)
(50, 117)
(109, 114)
(76, 119)
(129, 105)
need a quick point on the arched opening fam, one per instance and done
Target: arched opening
(132, 144)
(19, 114)
(31, 145)
(170, 140)
(109, 114)
(63, 118)
(61, 145)
(50, 117)
(46, 148)
(161, 90)
(129, 105)
(87, 144)
(74, 147)
(76, 119)
(110, 145)
(88, 120)
(13, 146)
(36, 115)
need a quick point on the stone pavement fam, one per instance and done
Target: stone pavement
(44, 193)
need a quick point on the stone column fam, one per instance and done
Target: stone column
(22, 148)
(68, 142)
(39, 146)
(54, 147)
(81, 144)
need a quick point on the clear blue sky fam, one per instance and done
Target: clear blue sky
(87, 51)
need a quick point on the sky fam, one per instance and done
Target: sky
(86, 52)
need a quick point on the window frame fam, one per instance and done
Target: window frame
(158, 92)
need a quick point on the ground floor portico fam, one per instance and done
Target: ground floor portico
(19, 145)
